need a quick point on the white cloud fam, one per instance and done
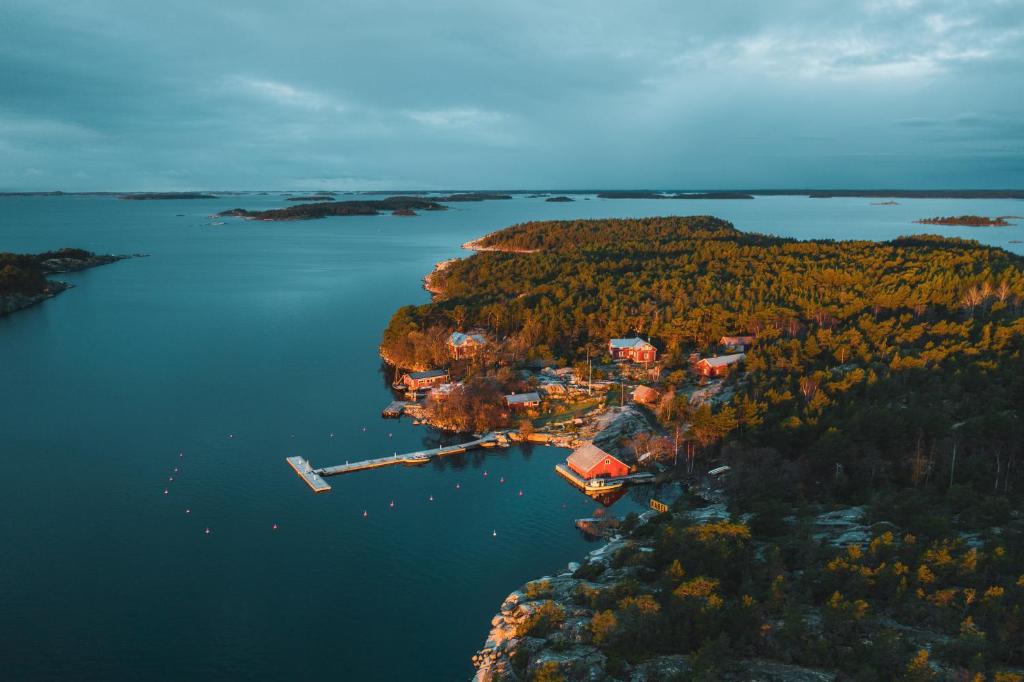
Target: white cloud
(285, 94)
(456, 118)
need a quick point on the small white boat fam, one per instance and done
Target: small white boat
(602, 485)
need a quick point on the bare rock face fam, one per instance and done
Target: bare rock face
(629, 422)
(771, 671)
(845, 527)
(661, 668)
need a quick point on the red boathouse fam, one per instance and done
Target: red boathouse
(590, 461)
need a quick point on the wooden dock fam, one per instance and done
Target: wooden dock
(597, 486)
(394, 409)
(315, 477)
(307, 474)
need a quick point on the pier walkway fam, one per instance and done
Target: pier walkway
(314, 477)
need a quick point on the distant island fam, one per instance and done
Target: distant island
(905, 193)
(967, 220)
(23, 277)
(560, 199)
(327, 196)
(337, 208)
(471, 196)
(397, 205)
(674, 195)
(157, 196)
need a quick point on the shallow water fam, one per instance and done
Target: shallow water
(267, 332)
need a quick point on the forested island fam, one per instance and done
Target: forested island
(967, 220)
(397, 205)
(23, 277)
(559, 199)
(160, 196)
(337, 208)
(870, 526)
(313, 197)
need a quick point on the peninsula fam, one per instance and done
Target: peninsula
(846, 416)
(23, 277)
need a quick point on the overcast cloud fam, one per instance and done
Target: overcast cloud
(329, 94)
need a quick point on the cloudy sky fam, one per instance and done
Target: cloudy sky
(338, 94)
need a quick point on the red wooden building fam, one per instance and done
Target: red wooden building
(719, 365)
(590, 461)
(635, 349)
(415, 381)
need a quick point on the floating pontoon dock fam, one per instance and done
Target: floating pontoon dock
(314, 477)
(307, 474)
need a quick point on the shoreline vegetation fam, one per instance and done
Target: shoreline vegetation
(969, 221)
(870, 522)
(24, 278)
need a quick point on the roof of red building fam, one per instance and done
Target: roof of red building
(635, 342)
(646, 394)
(586, 457)
(722, 360)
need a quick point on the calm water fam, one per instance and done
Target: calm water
(268, 332)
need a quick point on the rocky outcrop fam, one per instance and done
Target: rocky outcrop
(622, 425)
(511, 655)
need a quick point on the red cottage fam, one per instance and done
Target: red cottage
(635, 349)
(590, 461)
(718, 366)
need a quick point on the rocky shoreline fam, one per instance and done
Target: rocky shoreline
(429, 279)
(511, 654)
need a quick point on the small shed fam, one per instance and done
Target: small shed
(645, 395)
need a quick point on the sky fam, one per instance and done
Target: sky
(476, 94)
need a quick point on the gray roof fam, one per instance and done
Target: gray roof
(429, 374)
(587, 456)
(520, 398)
(459, 339)
(634, 342)
(724, 360)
